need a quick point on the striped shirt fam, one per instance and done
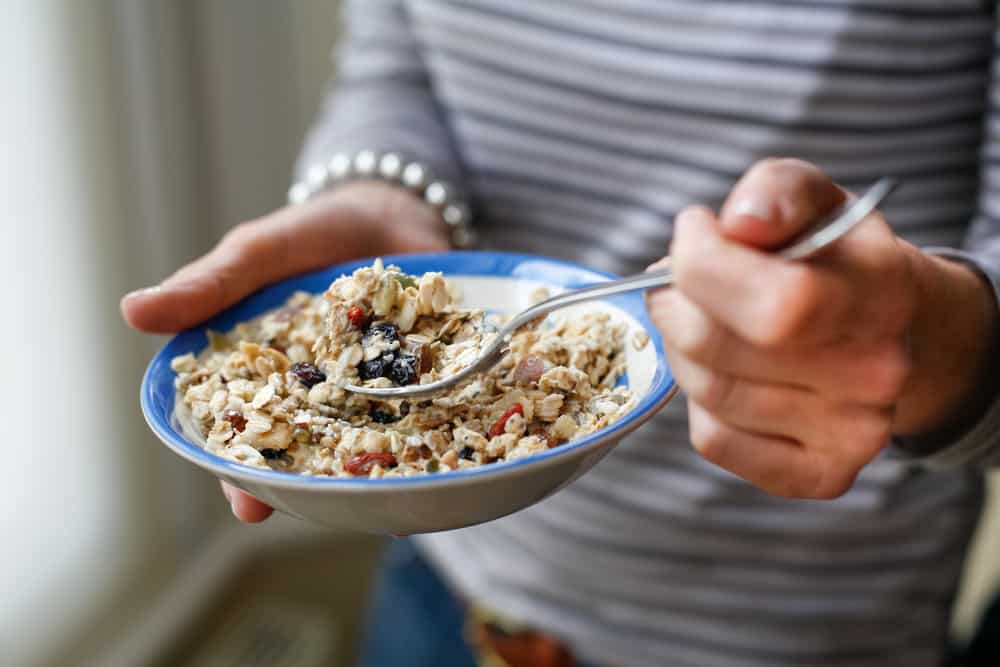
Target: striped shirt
(579, 129)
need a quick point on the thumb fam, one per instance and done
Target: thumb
(776, 200)
(253, 254)
(246, 258)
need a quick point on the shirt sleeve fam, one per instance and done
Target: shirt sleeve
(976, 438)
(383, 96)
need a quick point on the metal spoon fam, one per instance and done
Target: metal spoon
(819, 235)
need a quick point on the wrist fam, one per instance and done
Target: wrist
(382, 218)
(390, 168)
(952, 336)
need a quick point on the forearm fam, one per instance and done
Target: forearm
(382, 99)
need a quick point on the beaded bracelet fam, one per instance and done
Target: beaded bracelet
(391, 168)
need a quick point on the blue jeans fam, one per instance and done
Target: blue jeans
(414, 621)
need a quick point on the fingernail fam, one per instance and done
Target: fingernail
(142, 292)
(746, 208)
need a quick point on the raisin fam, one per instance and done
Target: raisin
(271, 454)
(308, 374)
(236, 418)
(357, 317)
(404, 370)
(467, 453)
(386, 330)
(363, 464)
(377, 367)
(383, 417)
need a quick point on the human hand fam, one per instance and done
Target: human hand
(798, 374)
(356, 220)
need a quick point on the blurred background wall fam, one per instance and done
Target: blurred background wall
(136, 132)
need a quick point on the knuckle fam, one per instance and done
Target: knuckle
(241, 234)
(709, 439)
(699, 339)
(247, 238)
(823, 479)
(834, 483)
(765, 166)
(789, 310)
(872, 433)
(783, 168)
(712, 390)
(886, 376)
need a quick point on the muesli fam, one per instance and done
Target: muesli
(269, 393)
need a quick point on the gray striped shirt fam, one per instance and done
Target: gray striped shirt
(580, 128)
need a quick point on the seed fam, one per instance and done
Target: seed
(308, 374)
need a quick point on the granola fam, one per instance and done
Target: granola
(269, 393)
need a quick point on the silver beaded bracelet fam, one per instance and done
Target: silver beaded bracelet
(391, 168)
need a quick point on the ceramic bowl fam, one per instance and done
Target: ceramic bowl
(495, 281)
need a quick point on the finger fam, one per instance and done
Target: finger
(245, 507)
(761, 298)
(775, 200)
(287, 242)
(872, 373)
(765, 409)
(778, 466)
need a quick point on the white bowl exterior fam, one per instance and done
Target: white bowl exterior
(442, 503)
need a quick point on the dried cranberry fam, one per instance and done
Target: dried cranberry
(308, 374)
(236, 418)
(404, 370)
(363, 464)
(383, 417)
(357, 317)
(500, 424)
(467, 453)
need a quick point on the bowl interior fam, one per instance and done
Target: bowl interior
(502, 282)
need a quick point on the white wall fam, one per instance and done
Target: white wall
(70, 510)
(134, 133)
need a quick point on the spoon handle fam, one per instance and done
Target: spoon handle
(659, 278)
(817, 236)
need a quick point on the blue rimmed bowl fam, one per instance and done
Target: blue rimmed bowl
(495, 281)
